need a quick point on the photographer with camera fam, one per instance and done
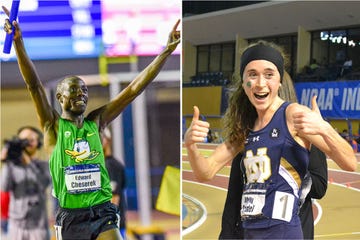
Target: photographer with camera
(26, 178)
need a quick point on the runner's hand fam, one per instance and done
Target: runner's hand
(198, 130)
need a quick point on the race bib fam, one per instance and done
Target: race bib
(283, 206)
(253, 201)
(82, 178)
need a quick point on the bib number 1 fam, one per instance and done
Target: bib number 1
(283, 206)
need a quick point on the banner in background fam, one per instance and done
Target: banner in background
(336, 99)
(168, 200)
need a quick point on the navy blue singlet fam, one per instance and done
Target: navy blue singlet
(275, 166)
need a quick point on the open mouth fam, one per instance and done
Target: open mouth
(80, 102)
(261, 95)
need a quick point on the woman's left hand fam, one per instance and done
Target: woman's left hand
(309, 122)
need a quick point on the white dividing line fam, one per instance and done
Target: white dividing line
(201, 219)
(320, 211)
(206, 185)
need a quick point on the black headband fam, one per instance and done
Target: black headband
(262, 52)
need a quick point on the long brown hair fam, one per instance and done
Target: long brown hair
(240, 115)
(287, 90)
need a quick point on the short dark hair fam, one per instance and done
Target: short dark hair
(37, 131)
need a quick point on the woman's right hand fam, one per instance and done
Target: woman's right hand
(197, 131)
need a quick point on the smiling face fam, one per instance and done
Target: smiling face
(261, 81)
(73, 96)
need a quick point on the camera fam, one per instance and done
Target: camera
(15, 146)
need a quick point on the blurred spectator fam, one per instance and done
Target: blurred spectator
(209, 137)
(5, 200)
(26, 178)
(117, 176)
(352, 142)
(344, 133)
(347, 67)
(313, 65)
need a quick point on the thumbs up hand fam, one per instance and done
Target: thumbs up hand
(309, 121)
(197, 131)
(314, 106)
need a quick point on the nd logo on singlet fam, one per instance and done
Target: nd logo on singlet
(81, 151)
(258, 167)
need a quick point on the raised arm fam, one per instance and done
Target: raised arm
(44, 110)
(108, 112)
(205, 168)
(311, 126)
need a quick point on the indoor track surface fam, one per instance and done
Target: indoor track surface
(336, 215)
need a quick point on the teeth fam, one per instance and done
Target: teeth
(261, 95)
(80, 102)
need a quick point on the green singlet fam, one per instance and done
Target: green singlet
(77, 166)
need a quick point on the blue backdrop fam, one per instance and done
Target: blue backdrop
(336, 99)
